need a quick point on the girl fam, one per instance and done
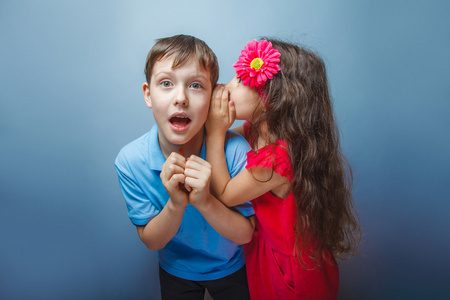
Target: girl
(296, 176)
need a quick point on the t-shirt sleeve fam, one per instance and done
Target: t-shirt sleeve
(236, 148)
(140, 209)
(274, 157)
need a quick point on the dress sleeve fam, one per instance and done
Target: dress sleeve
(275, 157)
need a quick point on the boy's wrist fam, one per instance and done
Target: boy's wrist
(176, 206)
(205, 204)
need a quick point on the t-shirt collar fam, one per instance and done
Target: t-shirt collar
(156, 156)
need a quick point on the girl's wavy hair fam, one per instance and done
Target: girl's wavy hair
(298, 110)
(182, 47)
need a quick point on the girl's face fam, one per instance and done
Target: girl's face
(245, 99)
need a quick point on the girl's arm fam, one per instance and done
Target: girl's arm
(220, 118)
(249, 183)
(252, 183)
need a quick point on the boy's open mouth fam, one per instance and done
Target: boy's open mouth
(179, 120)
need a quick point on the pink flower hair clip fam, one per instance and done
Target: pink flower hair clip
(257, 63)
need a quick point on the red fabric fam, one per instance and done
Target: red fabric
(273, 271)
(272, 156)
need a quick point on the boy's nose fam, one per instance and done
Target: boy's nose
(181, 97)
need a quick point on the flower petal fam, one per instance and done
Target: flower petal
(257, 76)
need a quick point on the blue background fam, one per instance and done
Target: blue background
(70, 90)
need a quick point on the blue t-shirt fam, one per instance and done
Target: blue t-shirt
(197, 251)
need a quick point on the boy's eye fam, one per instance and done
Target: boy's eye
(239, 80)
(166, 84)
(196, 86)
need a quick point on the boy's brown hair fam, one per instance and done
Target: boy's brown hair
(182, 47)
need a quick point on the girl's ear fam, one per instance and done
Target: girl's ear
(146, 92)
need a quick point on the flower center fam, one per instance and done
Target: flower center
(257, 63)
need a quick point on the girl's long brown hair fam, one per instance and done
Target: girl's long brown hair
(298, 110)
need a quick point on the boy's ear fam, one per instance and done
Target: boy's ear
(146, 92)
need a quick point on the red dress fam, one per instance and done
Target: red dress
(273, 271)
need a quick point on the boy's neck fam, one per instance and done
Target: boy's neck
(192, 147)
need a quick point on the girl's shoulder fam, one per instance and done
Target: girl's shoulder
(273, 156)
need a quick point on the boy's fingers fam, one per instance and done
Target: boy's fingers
(196, 166)
(174, 165)
(178, 178)
(172, 172)
(187, 188)
(196, 160)
(193, 173)
(174, 169)
(182, 187)
(177, 158)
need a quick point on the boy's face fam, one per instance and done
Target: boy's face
(179, 99)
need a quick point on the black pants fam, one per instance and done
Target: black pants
(233, 286)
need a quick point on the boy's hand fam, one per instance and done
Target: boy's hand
(221, 112)
(173, 178)
(198, 176)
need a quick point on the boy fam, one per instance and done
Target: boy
(168, 196)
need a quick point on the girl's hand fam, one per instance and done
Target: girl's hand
(221, 112)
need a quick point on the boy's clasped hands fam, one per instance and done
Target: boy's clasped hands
(186, 179)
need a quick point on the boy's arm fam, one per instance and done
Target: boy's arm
(227, 222)
(163, 227)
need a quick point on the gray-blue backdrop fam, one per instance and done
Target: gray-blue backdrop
(70, 91)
